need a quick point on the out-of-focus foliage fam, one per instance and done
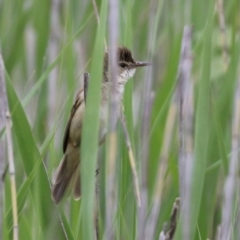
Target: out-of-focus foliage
(46, 47)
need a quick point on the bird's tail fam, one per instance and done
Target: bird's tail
(67, 176)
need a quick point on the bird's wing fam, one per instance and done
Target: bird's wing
(78, 101)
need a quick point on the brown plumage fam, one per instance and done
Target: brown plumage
(125, 55)
(68, 173)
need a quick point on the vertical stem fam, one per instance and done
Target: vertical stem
(231, 181)
(96, 11)
(144, 225)
(162, 168)
(185, 95)
(114, 111)
(222, 23)
(12, 176)
(98, 18)
(3, 109)
(169, 233)
(7, 122)
(131, 160)
(53, 49)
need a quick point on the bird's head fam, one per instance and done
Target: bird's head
(126, 64)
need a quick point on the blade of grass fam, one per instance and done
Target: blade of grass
(201, 130)
(41, 197)
(89, 144)
(23, 191)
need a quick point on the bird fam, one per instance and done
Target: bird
(67, 175)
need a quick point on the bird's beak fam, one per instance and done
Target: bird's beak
(141, 64)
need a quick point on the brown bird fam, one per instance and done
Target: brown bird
(68, 173)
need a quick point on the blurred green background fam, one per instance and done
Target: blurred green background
(47, 46)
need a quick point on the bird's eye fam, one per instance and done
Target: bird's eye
(122, 65)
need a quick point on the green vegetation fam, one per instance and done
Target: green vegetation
(47, 46)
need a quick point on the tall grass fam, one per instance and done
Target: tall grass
(46, 47)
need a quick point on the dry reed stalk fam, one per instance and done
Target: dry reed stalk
(3, 110)
(7, 121)
(168, 234)
(229, 194)
(185, 99)
(12, 176)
